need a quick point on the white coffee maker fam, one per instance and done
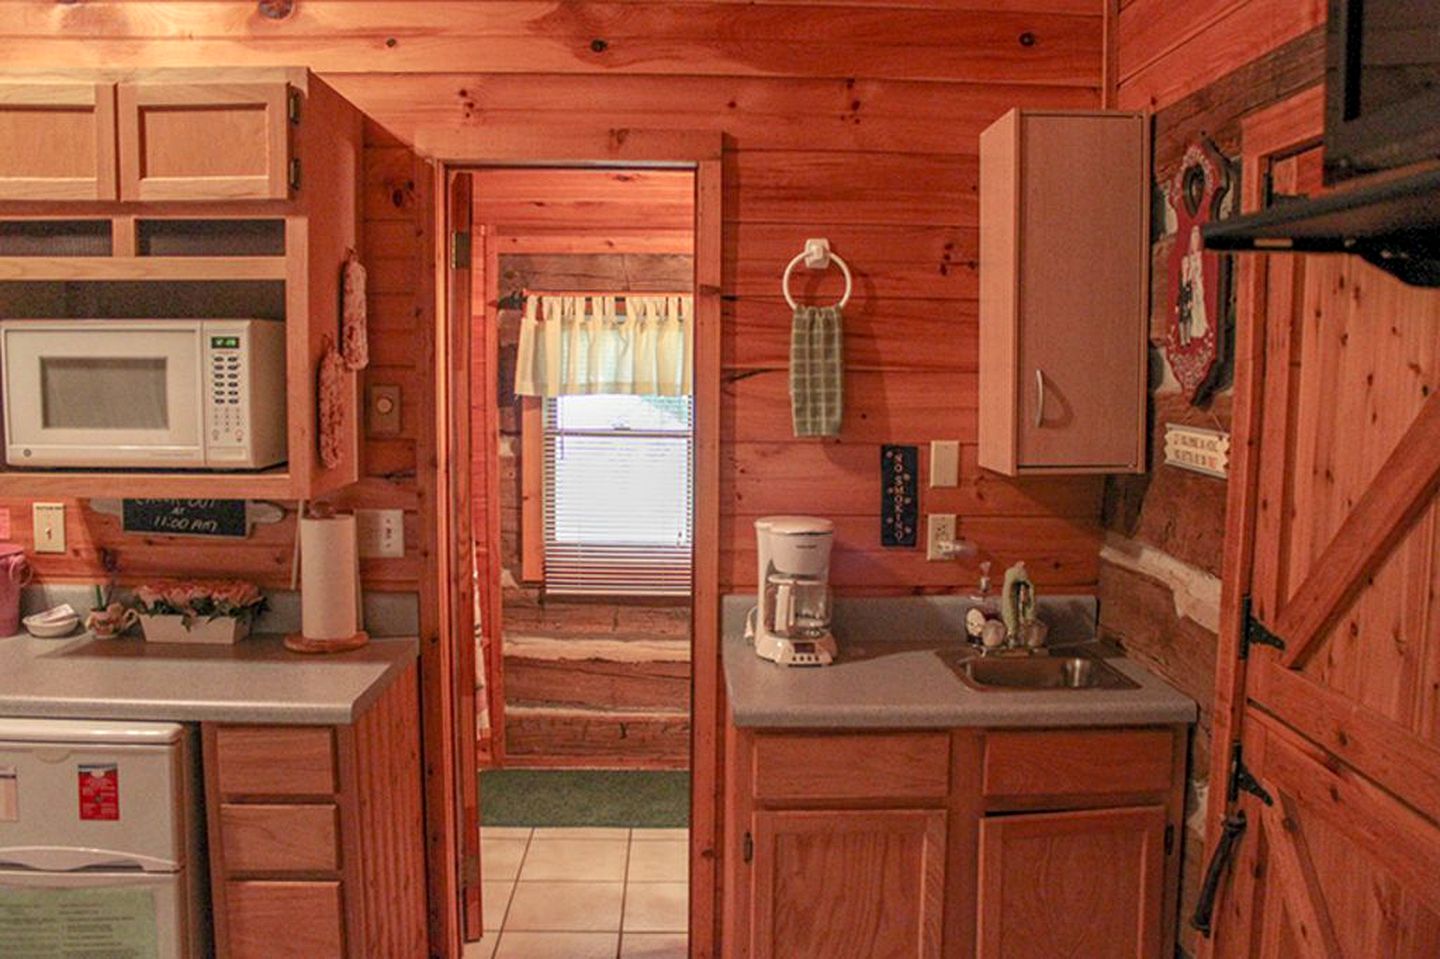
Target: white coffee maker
(791, 625)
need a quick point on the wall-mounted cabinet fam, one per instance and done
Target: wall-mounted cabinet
(190, 211)
(1064, 250)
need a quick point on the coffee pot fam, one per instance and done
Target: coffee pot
(791, 623)
(15, 572)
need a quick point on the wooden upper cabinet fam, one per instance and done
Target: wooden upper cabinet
(1064, 248)
(1086, 883)
(59, 141)
(837, 884)
(204, 141)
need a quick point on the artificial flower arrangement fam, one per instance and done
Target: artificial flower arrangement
(198, 610)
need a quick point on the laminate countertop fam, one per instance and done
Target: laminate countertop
(254, 681)
(888, 675)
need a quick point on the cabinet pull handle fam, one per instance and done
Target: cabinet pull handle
(1039, 398)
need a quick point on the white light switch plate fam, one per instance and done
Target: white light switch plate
(49, 527)
(381, 533)
(944, 463)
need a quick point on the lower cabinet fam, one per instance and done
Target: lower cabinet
(835, 884)
(1087, 883)
(1004, 844)
(317, 835)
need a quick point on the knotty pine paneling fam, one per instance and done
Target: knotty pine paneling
(1166, 51)
(856, 120)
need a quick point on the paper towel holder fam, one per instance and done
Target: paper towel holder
(298, 642)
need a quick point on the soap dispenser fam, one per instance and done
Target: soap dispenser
(983, 606)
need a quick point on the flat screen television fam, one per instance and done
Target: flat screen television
(1382, 86)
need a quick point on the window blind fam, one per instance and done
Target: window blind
(619, 495)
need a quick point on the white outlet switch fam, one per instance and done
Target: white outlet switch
(941, 531)
(944, 463)
(381, 533)
(49, 524)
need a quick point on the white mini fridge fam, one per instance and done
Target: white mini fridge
(101, 851)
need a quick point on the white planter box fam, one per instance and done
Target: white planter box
(221, 631)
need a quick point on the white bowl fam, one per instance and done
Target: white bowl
(53, 629)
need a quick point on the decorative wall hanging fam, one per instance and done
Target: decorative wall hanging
(331, 390)
(1195, 329)
(899, 495)
(354, 335)
(1198, 450)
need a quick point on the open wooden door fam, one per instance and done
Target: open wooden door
(457, 583)
(1328, 694)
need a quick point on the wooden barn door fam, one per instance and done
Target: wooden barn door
(1329, 691)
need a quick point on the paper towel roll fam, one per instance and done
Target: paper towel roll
(329, 578)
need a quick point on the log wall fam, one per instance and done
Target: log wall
(1200, 67)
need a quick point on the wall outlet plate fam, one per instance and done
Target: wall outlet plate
(380, 533)
(49, 527)
(942, 529)
(383, 410)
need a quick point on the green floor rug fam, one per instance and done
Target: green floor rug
(584, 797)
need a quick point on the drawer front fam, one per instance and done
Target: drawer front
(284, 920)
(1087, 762)
(853, 766)
(275, 761)
(268, 839)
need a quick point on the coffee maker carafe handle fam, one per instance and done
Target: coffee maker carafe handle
(784, 609)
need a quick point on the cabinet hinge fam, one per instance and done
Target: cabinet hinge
(459, 251)
(295, 173)
(749, 848)
(293, 107)
(1242, 780)
(1255, 633)
(1169, 838)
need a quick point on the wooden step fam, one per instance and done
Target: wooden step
(602, 739)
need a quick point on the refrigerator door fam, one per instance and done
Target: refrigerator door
(82, 800)
(112, 914)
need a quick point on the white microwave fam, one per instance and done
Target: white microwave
(156, 394)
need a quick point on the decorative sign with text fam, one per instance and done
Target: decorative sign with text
(1196, 449)
(186, 517)
(899, 495)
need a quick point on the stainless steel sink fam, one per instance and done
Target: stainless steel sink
(1037, 673)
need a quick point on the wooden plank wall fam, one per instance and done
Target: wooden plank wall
(853, 120)
(1200, 67)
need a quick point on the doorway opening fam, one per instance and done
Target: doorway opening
(582, 505)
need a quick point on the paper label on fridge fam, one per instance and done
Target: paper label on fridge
(116, 923)
(99, 791)
(9, 794)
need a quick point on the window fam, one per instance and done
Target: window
(618, 495)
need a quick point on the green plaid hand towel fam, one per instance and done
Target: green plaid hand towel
(817, 371)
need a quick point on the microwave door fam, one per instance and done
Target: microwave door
(121, 396)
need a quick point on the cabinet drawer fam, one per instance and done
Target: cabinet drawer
(284, 920)
(861, 766)
(275, 761)
(1086, 762)
(265, 838)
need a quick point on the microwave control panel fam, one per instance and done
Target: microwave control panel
(244, 364)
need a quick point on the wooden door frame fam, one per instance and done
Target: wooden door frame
(457, 148)
(1277, 129)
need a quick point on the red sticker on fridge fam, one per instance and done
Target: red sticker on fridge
(99, 791)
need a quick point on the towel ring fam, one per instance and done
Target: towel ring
(817, 256)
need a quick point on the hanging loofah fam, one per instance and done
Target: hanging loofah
(332, 406)
(354, 337)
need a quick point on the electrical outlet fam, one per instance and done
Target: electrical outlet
(941, 531)
(944, 463)
(380, 533)
(49, 527)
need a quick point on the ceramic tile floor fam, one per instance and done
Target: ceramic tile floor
(584, 894)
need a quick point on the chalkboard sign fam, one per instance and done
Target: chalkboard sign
(186, 517)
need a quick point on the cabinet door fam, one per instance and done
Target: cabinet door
(841, 884)
(1083, 884)
(60, 141)
(204, 141)
(1082, 257)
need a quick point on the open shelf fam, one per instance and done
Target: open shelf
(142, 268)
(275, 483)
